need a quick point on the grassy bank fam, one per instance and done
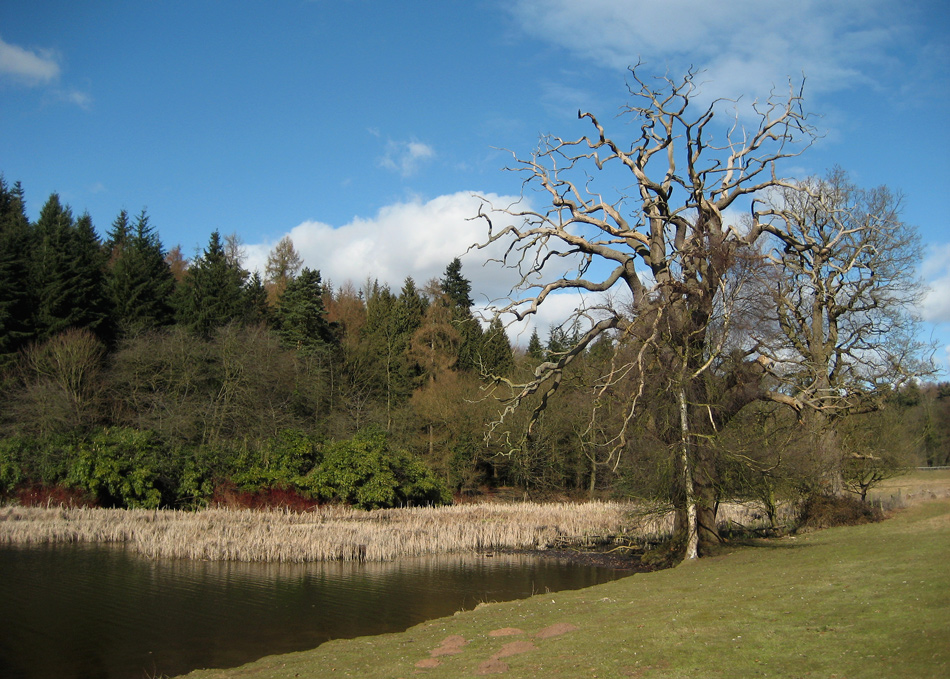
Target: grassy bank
(864, 601)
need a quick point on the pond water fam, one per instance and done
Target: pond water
(103, 612)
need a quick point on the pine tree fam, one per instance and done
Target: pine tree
(256, 306)
(16, 325)
(139, 279)
(496, 357)
(535, 348)
(390, 324)
(67, 273)
(301, 318)
(211, 294)
(456, 286)
(457, 291)
(410, 307)
(118, 236)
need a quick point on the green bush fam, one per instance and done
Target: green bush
(279, 462)
(11, 473)
(365, 471)
(121, 466)
(196, 480)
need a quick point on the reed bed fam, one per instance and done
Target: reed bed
(339, 533)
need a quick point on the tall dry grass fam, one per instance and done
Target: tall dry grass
(340, 533)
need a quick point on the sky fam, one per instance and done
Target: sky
(366, 129)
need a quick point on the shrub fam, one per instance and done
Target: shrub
(227, 494)
(10, 466)
(826, 511)
(364, 471)
(41, 495)
(279, 462)
(120, 466)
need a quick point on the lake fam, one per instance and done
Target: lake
(80, 611)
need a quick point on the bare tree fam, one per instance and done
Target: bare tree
(669, 245)
(844, 293)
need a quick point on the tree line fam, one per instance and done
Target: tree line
(138, 377)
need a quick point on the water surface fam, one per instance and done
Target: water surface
(79, 611)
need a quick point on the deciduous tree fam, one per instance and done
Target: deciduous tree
(668, 243)
(845, 295)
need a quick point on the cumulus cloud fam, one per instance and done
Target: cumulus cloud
(745, 49)
(413, 238)
(418, 238)
(33, 68)
(936, 273)
(405, 157)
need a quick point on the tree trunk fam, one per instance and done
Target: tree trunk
(689, 509)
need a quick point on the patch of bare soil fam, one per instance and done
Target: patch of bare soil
(450, 646)
(556, 630)
(514, 648)
(455, 644)
(491, 667)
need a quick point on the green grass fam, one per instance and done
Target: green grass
(864, 601)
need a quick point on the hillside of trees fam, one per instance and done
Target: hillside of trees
(134, 377)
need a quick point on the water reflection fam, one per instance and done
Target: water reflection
(91, 612)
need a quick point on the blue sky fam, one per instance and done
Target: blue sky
(364, 128)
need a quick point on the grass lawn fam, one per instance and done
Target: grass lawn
(863, 601)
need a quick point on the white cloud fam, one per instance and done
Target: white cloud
(31, 67)
(419, 238)
(413, 238)
(555, 310)
(746, 47)
(936, 273)
(405, 157)
(81, 99)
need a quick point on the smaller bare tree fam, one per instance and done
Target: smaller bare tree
(844, 291)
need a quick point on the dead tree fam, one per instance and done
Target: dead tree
(665, 252)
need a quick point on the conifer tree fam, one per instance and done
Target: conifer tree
(118, 236)
(211, 294)
(283, 264)
(256, 307)
(390, 323)
(457, 291)
(140, 281)
(16, 326)
(456, 286)
(535, 348)
(496, 357)
(300, 314)
(67, 273)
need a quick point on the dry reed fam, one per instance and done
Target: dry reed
(337, 533)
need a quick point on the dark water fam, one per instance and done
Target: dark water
(90, 612)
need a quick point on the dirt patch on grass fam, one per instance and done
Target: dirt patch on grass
(455, 645)
(556, 630)
(450, 646)
(492, 667)
(514, 648)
